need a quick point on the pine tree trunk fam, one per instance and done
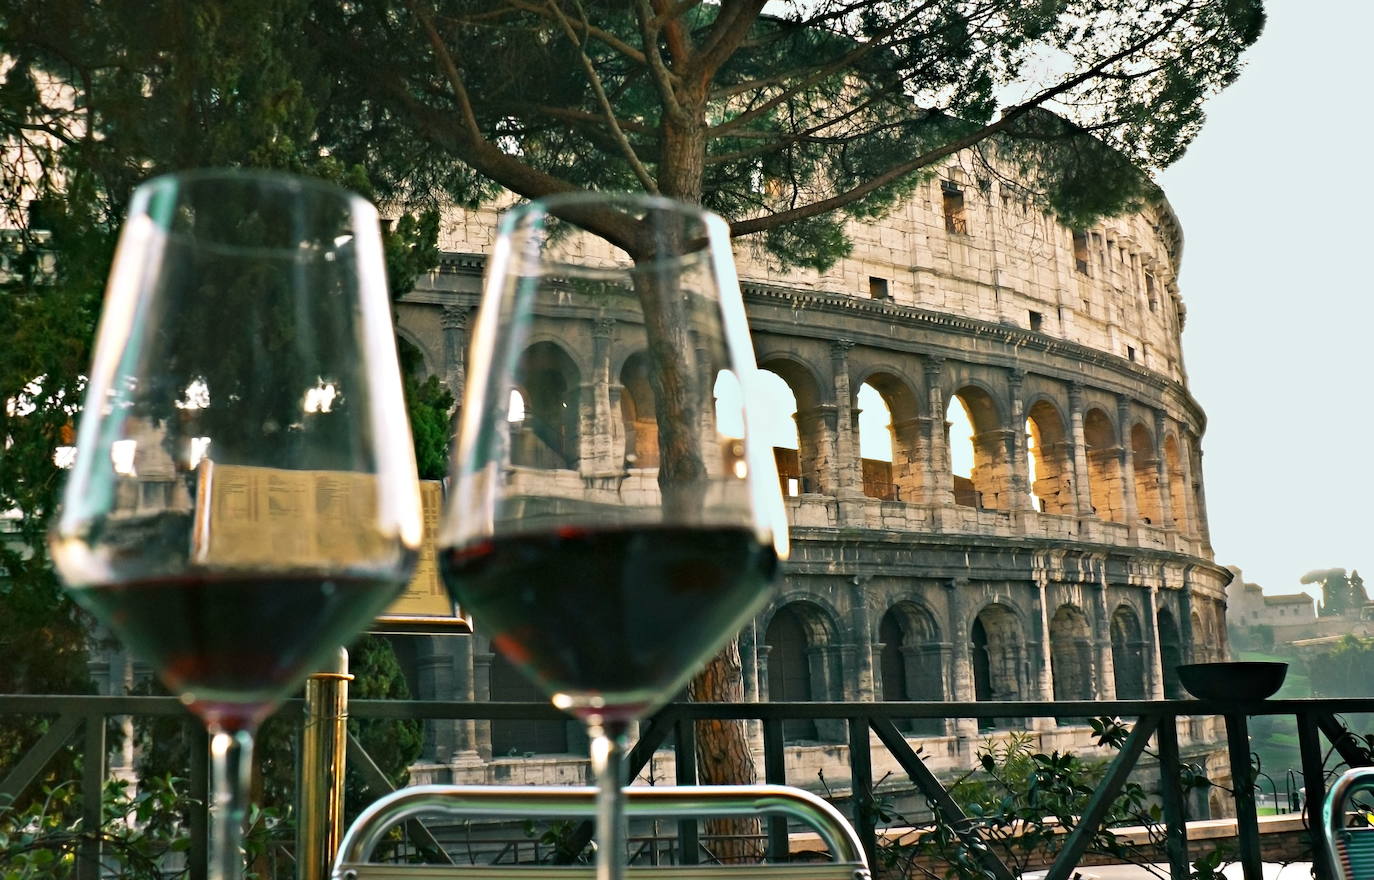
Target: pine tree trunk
(723, 755)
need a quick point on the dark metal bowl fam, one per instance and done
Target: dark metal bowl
(1233, 681)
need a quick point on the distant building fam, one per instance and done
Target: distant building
(1247, 605)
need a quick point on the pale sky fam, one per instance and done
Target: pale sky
(1275, 197)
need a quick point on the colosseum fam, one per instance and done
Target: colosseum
(1070, 561)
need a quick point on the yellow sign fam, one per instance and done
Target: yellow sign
(425, 605)
(258, 516)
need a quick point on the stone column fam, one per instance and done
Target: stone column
(466, 743)
(1019, 479)
(1078, 452)
(865, 674)
(1156, 664)
(1185, 462)
(1127, 459)
(1187, 649)
(1166, 503)
(960, 687)
(1105, 686)
(598, 458)
(454, 321)
(481, 692)
(848, 468)
(939, 481)
(1199, 493)
(435, 680)
(749, 649)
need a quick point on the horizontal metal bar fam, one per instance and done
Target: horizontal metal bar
(53, 704)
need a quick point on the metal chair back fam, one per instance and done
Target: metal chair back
(522, 802)
(1348, 823)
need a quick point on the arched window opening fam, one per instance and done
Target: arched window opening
(1178, 498)
(518, 737)
(1202, 647)
(638, 414)
(781, 428)
(1104, 467)
(1170, 654)
(1146, 462)
(789, 670)
(997, 650)
(1071, 654)
(1051, 471)
(875, 444)
(980, 464)
(547, 435)
(1128, 655)
(891, 432)
(912, 663)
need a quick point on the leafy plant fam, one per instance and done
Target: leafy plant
(1020, 805)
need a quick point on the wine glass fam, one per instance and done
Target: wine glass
(612, 521)
(244, 497)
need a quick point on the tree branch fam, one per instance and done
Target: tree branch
(645, 179)
(663, 78)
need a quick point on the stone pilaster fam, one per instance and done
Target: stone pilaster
(1185, 461)
(455, 320)
(865, 674)
(1078, 452)
(1199, 493)
(940, 478)
(1019, 479)
(599, 457)
(960, 672)
(1104, 686)
(1166, 507)
(481, 692)
(1131, 511)
(848, 468)
(1156, 663)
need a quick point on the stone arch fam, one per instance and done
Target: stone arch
(416, 360)
(1051, 466)
(914, 660)
(801, 662)
(989, 482)
(1204, 647)
(1104, 466)
(998, 651)
(897, 474)
(517, 737)
(1178, 485)
(1071, 654)
(638, 412)
(808, 468)
(1170, 653)
(1128, 654)
(549, 383)
(1145, 460)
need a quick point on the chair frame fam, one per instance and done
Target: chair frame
(490, 801)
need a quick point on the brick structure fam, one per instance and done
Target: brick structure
(1073, 561)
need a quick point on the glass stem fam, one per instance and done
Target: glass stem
(231, 759)
(608, 768)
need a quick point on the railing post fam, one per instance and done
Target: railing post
(324, 746)
(685, 761)
(1175, 816)
(861, 786)
(200, 792)
(775, 773)
(1243, 788)
(92, 791)
(1314, 791)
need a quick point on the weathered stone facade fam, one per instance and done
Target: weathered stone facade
(1074, 562)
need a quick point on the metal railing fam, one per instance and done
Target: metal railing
(83, 718)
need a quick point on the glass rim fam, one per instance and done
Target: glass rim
(714, 229)
(175, 183)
